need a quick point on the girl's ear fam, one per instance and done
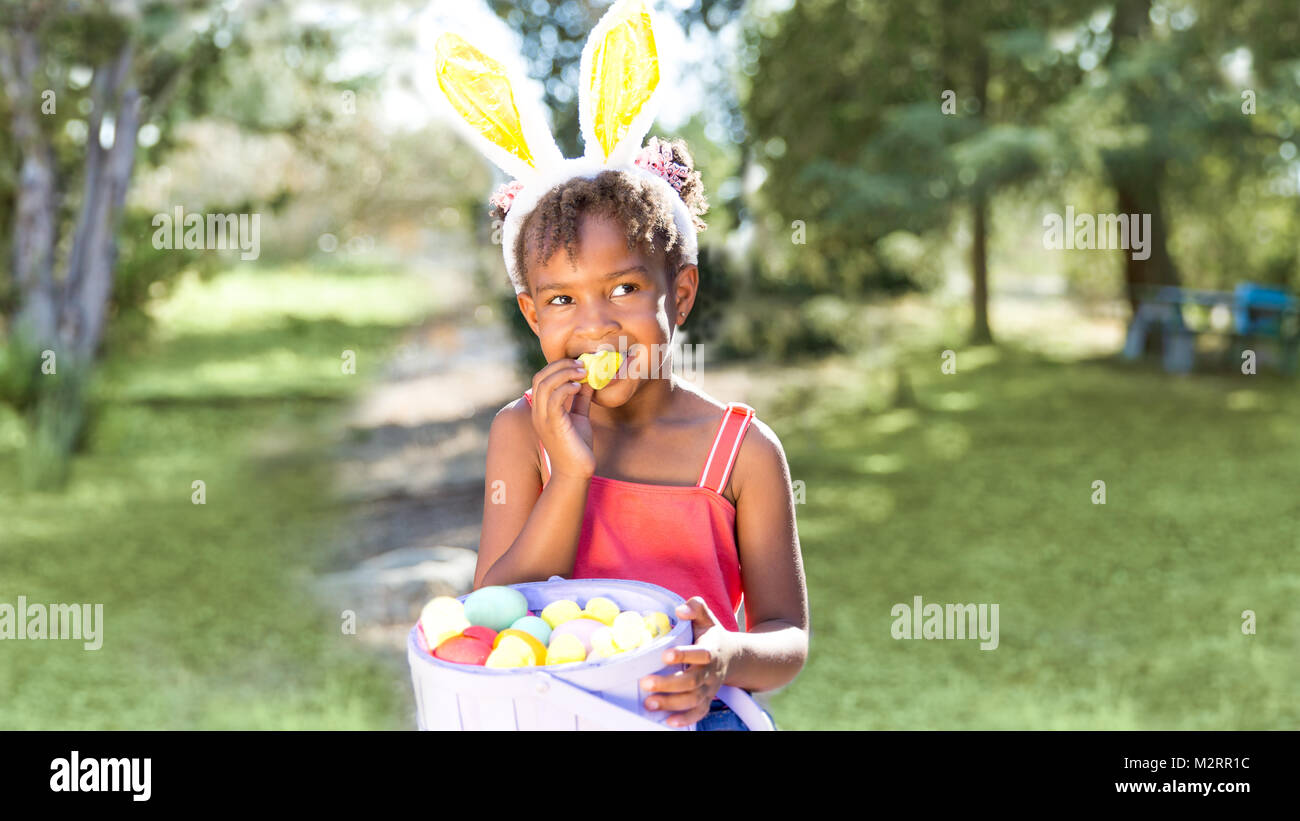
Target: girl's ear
(529, 310)
(618, 93)
(685, 286)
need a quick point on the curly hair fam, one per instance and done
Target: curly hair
(638, 206)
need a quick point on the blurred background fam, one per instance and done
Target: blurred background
(262, 467)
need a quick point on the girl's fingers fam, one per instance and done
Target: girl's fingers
(676, 683)
(690, 716)
(689, 700)
(582, 399)
(688, 655)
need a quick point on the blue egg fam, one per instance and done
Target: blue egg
(534, 627)
(495, 607)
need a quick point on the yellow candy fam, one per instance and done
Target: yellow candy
(602, 367)
(558, 612)
(658, 623)
(566, 649)
(512, 651)
(602, 610)
(629, 631)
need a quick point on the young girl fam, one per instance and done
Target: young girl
(648, 478)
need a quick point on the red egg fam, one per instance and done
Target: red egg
(486, 634)
(464, 649)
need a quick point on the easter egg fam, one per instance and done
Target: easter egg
(486, 634)
(495, 606)
(537, 627)
(443, 605)
(558, 612)
(657, 621)
(463, 650)
(538, 649)
(512, 651)
(566, 649)
(602, 643)
(602, 610)
(602, 367)
(580, 628)
(440, 622)
(629, 631)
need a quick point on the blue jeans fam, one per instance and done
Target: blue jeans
(721, 717)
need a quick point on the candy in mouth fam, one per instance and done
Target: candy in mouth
(601, 367)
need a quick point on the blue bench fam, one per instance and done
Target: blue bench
(1258, 312)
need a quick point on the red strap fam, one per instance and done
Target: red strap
(722, 456)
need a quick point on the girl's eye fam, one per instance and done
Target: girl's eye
(624, 285)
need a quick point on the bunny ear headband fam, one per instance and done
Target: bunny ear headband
(617, 100)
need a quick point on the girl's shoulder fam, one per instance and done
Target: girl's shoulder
(761, 458)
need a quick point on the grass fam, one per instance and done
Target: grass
(206, 622)
(1125, 615)
(1120, 616)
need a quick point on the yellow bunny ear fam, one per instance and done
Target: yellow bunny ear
(620, 73)
(480, 91)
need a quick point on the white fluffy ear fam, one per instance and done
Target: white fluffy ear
(507, 128)
(618, 94)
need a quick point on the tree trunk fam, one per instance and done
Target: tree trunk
(89, 280)
(37, 202)
(68, 317)
(1138, 173)
(981, 333)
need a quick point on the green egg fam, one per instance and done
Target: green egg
(495, 607)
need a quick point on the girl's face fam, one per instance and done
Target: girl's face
(610, 297)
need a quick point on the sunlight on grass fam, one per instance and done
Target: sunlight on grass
(206, 623)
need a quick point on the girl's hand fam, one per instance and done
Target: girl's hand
(691, 691)
(560, 406)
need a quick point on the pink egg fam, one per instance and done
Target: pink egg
(580, 628)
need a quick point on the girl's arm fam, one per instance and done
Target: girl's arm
(774, 649)
(529, 533)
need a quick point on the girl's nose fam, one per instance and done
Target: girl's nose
(594, 321)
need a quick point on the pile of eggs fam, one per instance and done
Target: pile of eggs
(494, 628)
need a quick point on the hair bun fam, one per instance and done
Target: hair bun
(672, 160)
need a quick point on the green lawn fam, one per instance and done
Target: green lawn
(1122, 616)
(1125, 615)
(205, 625)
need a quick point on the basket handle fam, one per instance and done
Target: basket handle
(745, 708)
(578, 701)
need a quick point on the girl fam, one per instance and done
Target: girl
(647, 478)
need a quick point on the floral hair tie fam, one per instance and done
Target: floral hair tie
(505, 195)
(657, 157)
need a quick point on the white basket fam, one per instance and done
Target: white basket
(598, 695)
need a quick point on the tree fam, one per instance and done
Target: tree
(149, 62)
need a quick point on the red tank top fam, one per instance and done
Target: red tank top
(678, 537)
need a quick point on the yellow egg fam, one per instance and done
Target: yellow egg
(602, 642)
(443, 605)
(602, 610)
(658, 623)
(566, 649)
(511, 652)
(629, 630)
(558, 612)
(535, 647)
